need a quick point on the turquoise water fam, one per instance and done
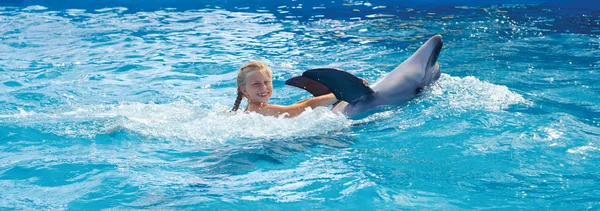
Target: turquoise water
(124, 107)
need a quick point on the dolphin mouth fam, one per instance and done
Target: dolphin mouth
(435, 53)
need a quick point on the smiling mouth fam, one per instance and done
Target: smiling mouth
(263, 94)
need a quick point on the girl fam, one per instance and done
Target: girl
(254, 83)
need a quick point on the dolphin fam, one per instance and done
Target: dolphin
(399, 86)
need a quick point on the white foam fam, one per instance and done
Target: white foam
(116, 9)
(35, 8)
(552, 134)
(582, 150)
(179, 120)
(213, 124)
(450, 96)
(217, 125)
(470, 93)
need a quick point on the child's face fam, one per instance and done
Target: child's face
(258, 88)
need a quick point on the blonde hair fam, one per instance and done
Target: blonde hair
(243, 75)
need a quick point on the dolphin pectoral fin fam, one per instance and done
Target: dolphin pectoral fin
(344, 85)
(310, 85)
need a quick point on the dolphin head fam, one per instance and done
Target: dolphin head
(424, 61)
(419, 70)
(433, 67)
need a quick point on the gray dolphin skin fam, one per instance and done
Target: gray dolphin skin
(403, 83)
(399, 86)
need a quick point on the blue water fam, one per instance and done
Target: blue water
(105, 104)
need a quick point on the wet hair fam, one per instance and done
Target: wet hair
(243, 75)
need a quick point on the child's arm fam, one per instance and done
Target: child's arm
(298, 108)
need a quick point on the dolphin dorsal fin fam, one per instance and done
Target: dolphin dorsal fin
(342, 84)
(310, 85)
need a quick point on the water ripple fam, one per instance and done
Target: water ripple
(126, 107)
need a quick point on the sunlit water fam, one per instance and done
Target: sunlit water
(127, 108)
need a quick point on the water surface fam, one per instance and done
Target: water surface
(125, 107)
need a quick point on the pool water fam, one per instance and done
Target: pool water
(108, 105)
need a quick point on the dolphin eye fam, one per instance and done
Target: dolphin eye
(419, 90)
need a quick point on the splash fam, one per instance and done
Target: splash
(178, 120)
(450, 96)
(470, 93)
(213, 124)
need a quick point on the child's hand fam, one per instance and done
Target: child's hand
(364, 82)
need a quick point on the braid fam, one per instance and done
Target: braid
(238, 100)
